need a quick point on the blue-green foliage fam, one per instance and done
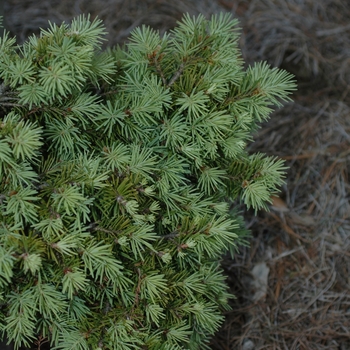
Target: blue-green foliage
(117, 171)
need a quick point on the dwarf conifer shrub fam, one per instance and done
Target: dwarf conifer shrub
(117, 172)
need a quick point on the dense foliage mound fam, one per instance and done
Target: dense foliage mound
(118, 171)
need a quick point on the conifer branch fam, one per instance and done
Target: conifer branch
(159, 69)
(170, 235)
(10, 104)
(176, 75)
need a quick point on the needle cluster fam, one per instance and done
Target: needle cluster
(117, 171)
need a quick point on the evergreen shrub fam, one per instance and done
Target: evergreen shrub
(119, 170)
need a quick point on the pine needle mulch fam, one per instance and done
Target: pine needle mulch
(303, 244)
(305, 239)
